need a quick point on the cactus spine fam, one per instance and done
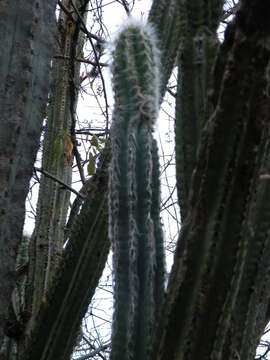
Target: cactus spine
(134, 225)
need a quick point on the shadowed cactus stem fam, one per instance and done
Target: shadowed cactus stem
(210, 311)
(135, 230)
(26, 50)
(198, 44)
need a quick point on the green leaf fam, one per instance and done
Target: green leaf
(94, 142)
(92, 164)
(64, 133)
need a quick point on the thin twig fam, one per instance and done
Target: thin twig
(230, 12)
(125, 5)
(98, 66)
(95, 352)
(83, 132)
(50, 176)
(171, 92)
(58, 56)
(69, 15)
(65, 10)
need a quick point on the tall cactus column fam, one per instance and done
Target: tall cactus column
(48, 236)
(166, 18)
(220, 256)
(138, 253)
(199, 21)
(26, 50)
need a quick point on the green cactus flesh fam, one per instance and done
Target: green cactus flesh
(134, 226)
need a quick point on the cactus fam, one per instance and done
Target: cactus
(218, 284)
(165, 16)
(74, 284)
(218, 293)
(17, 312)
(66, 301)
(22, 262)
(48, 236)
(134, 225)
(26, 50)
(197, 51)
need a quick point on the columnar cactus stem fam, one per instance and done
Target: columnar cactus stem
(255, 280)
(198, 45)
(56, 328)
(18, 296)
(47, 239)
(164, 15)
(26, 50)
(133, 222)
(216, 267)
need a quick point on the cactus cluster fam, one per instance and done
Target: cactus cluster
(215, 281)
(134, 223)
